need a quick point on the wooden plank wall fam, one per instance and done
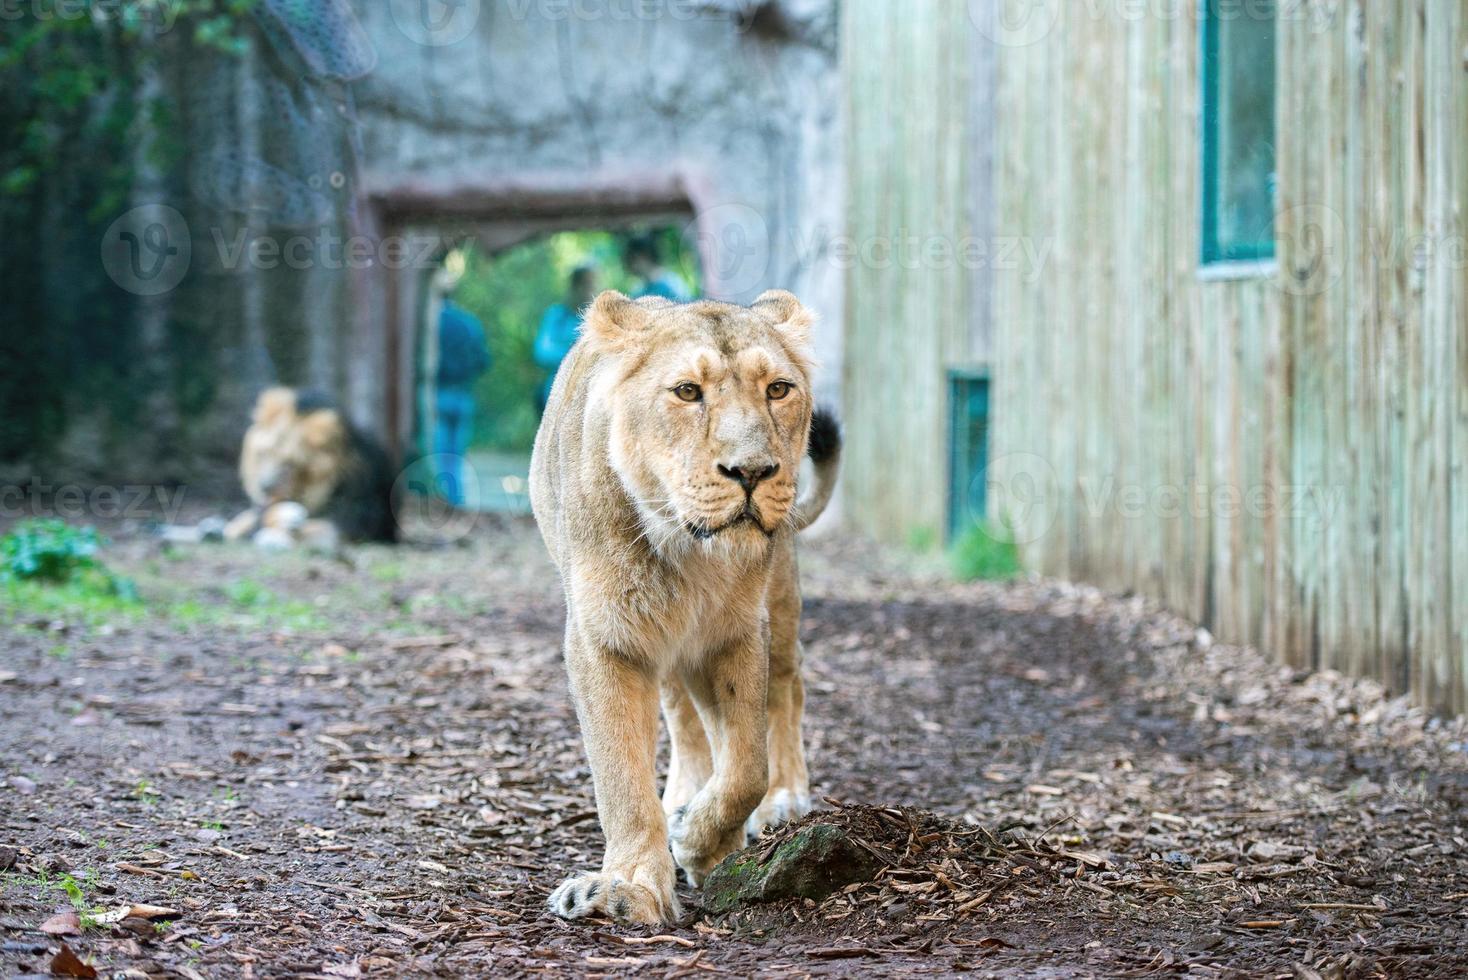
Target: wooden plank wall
(919, 184)
(1321, 412)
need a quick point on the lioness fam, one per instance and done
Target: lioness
(300, 449)
(664, 484)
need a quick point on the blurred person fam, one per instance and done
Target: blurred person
(463, 356)
(561, 325)
(642, 259)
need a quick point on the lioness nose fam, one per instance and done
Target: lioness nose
(749, 475)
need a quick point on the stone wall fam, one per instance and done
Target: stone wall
(325, 168)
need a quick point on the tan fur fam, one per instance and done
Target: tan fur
(290, 456)
(670, 595)
(287, 456)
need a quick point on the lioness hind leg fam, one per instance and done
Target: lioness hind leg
(788, 796)
(617, 705)
(690, 761)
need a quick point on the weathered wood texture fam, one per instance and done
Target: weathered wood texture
(1282, 457)
(918, 91)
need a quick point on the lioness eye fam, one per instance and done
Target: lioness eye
(689, 392)
(778, 390)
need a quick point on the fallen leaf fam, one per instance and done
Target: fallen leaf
(65, 923)
(68, 964)
(1265, 850)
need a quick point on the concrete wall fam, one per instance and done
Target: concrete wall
(341, 136)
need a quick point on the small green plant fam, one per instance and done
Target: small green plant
(73, 890)
(53, 552)
(922, 539)
(145, 793)
(980, 553)
(248, 594)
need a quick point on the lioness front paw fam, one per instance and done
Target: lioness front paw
(778, 806)
(697, 853)
(614, 896)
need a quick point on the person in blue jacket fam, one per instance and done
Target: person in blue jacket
(561, 325)
(641, 258)
(463, 356)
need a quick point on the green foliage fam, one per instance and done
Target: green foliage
(510, 293)
(53, 552)
(74, 73)
(980, 553)
(922, 539)
(49, 550)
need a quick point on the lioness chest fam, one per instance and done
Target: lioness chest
(669, 613)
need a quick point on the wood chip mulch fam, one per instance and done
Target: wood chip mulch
(337, 769)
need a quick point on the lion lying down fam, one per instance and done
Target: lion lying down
(311, 476)
(664, 484)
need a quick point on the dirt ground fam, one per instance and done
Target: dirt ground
(372, 768)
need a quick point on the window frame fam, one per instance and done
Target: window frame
(959, 485)
(1215, 261)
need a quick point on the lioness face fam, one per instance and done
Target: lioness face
(711, 419)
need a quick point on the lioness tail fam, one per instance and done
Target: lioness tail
(824, 450)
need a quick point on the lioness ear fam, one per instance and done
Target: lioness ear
(786, 312)
(614, 321)
(274, 405)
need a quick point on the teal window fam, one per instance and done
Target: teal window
(1238, 129)
(968, 449)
